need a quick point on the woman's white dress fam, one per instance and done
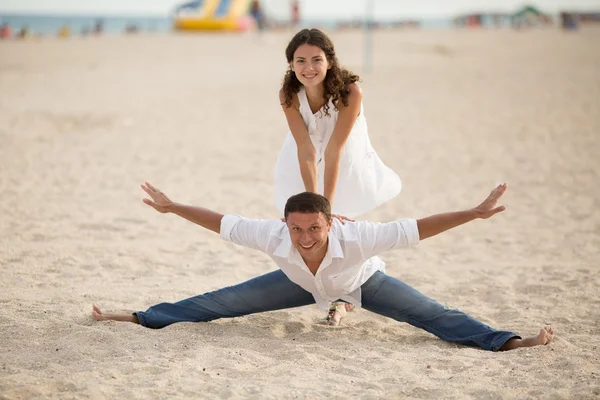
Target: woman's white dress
(364, 181)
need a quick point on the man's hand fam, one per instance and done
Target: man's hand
(436, 224)
(488, 207)
(160, 202)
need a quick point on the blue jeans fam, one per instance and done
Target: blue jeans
(381, 294)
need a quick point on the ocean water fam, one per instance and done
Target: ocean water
(39, 24)
(50, 24)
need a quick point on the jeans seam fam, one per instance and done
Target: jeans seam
(250, 306)
(378, 288)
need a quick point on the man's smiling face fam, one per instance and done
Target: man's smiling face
(308, 232)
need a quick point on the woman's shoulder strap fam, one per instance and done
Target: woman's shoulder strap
(302, 99)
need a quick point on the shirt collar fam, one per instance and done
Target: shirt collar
(335, 247)
(284, 250)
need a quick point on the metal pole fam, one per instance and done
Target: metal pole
(368, 53)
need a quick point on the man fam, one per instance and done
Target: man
(323, 259)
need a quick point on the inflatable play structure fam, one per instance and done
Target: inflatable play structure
(213, 15)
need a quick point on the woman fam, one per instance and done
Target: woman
(328, 150)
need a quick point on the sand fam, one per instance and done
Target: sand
(84, 121)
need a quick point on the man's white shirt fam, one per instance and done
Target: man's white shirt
(351, 257)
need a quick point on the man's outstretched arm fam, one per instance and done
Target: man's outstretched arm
(435, 224)
(198, 215)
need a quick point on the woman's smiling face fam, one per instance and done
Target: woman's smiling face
(310, 65)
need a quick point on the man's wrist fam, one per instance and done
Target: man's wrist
(476, 213)
(173, 208)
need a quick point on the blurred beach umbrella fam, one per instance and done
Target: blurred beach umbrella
(192, 5)
(528, 11)
(530, 15)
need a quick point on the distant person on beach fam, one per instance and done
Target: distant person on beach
(98, 27)
(258, 15)
(24, 33)
(64, 31)
(321, 260)
(328, 150)
(294, 13)
(568, 21)
(5, 32)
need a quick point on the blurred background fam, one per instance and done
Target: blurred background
(35, 18)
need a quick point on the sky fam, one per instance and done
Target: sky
(310, 9)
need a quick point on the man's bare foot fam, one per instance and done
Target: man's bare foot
(98, 315)
(544, 337)
(337, 311)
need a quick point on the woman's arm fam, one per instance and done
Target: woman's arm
(343, 127)
(307, 156)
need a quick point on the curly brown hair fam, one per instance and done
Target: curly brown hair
(337, 79)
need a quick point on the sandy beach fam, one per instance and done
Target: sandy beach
(84, 121)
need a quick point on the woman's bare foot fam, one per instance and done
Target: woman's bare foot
(98, 315)
(544, 337)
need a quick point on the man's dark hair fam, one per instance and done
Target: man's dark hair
(308, 202)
